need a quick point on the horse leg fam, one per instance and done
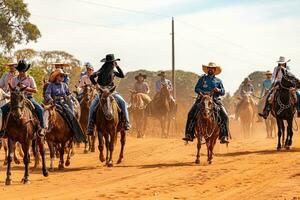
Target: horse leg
(122, 140)
(92, 145)
(101, 147)
(86, 144)
(9, 160)
(107, 137)
(289, 137)
(16, 158)
(168, 125)
(68, 162)
(198, 149)
(26, 145)
(19, 149)
(145, 122)
(42, 151)
(162, 124)
(111, 149)
(52, 152)
(35, 153)
(61, 156)
(280, 127)
(5, 147)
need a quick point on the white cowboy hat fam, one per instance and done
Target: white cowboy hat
(282, 60)
(56, 73)
(212, 65)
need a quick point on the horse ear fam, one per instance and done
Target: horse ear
(112, 89)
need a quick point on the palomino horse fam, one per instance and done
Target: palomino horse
(89, 93)
(207, 125)
(59, 135)
(162, 109)
(284, 107)
(22, 126)
(107, 123)
(138, 106)
(247, 114)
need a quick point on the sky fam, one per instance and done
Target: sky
(240, 35)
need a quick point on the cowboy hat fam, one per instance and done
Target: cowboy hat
(162, 73)
(212, 65)
(56, 73)
(268, 73)
(110, 58)
(88, 66)
(142, 75)
(282, 60)
(59, 63)
(22, 66)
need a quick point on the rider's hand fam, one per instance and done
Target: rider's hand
(217, 90)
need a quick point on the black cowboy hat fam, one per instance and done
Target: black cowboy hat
(23, 66)
(110, 58)
(142, 75)
(162, 73)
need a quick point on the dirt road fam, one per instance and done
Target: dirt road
(164, 169)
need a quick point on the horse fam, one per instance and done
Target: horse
(138, 110)
(59, 136)
(284, 107)
(207, 125)
(161, 108)
(89, 93)
(108, 125)
(22, 126)
(247, 114)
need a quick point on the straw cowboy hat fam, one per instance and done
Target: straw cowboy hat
(212, 65)
(268, 73)
(140, 75)
(22, 66)
(56, 73)
(162, 73)
(282, 60)
(59, 63)
(110, 58)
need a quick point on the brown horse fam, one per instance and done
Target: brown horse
(207, 126)
(89, 93)
(107, 123)
(59, 136)
(138, 111)
(247, 114)
(22, 126)
(162, 109)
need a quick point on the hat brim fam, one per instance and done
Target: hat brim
(218, 69)
(144, 76)
(281, 62)
(104, 60)
(53, 76)
(161, 74)
(60, 64)
(23, 70)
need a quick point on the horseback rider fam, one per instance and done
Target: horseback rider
(208, 83)
(276, 79)
(21, 81)
(142, 87)
(266, 84)
(85, 80)
(58, 92)
(60, 65)
(88, 66)
(106, 75)
(245, 88)
(7, 78)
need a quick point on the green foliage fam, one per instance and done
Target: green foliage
(15, 25)
(38, 74)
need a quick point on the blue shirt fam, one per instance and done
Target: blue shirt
(56, 90)
(266, 86)
(160, 82)
(207, 84)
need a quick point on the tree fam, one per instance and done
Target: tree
(15, 25)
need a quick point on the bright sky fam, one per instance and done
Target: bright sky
(241, 35)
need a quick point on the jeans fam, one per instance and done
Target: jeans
(120, 101)
(38, 109)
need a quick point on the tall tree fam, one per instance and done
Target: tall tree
(15, 25)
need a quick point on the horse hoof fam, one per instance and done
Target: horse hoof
(25, 181)
(85, 151)
(93, 150)
(119, 161)
(8, 182)
(17, 162)
(68, 163)
(287, 148)
(209, 162)
(197, 162)
(45, 173)
(101, 158)
(61, 167)
(278, 148)
(51, 169)
(110, 164)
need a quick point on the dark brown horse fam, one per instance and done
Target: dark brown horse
(59, 136)
(161, 108)
(22, 127)
(89, 93)
(207, 127)
(138, 110)
(107, 123)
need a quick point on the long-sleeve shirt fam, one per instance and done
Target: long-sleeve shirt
(106, 75)
(141, 87)
(161, 82)
(56, 90)
(7, 79)
(28, 81)
(277, 74)
(207, 84)
(266, 86)
(246, 88)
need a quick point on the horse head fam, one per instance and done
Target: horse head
(106, 101)
(49, 115)
(88, 93)
(206, 105)
(17, 100)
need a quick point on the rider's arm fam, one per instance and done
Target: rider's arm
(147, 89)
(2, 81)
(48, 93)
(222, 89)
(93, 76)
(32, 86)
(119, 73)
(170, 86)
(199, 86)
